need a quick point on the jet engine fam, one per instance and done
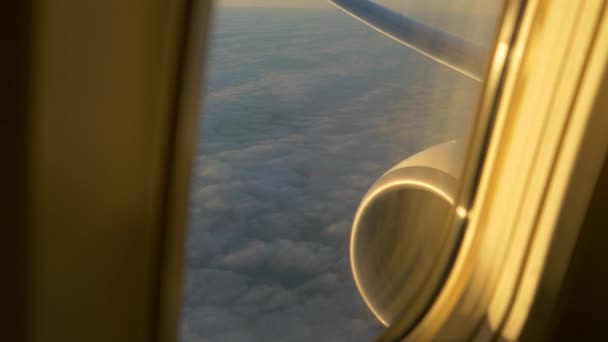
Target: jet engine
(404, 236)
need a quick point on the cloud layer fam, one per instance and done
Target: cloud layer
(304, 110)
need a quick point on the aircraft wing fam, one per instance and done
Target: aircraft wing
(443, 47)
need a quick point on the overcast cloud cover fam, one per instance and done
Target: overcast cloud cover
(304, 109)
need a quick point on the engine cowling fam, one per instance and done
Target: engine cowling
(404, 236)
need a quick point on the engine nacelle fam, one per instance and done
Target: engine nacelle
(402, 244)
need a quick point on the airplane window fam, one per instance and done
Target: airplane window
(307, 111)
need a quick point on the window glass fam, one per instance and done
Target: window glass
(305, 108)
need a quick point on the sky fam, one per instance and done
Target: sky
(467, 18)
(275, 3)
(300, 118)
(479, 7)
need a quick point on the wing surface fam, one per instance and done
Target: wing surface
(443, 47)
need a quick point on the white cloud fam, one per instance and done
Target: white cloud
(251, 254)
(293, 137)
(339, 230)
